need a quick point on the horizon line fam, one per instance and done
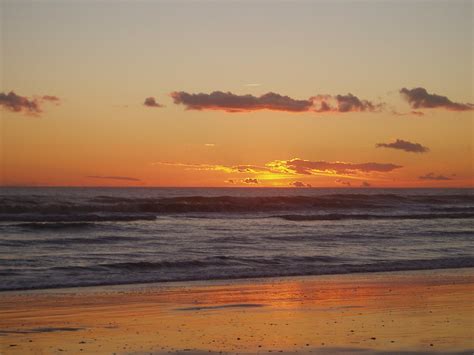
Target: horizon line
(238, 187)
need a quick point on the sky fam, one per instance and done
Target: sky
(237, 93)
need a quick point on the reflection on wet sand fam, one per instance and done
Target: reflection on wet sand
(410, 311)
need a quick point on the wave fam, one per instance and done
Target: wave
(68, 221)
(169, 271)
(54, 225)
(66, 241)
(212, 261)
(92, 208)
(454, 209)
(339, 217)
(279, 265)
(147, 266)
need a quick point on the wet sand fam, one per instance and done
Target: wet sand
(395, 312)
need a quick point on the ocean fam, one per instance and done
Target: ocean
(69, 237)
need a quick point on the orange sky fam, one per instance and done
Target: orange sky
(243, 94)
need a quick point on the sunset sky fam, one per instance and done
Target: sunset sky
(237, 93)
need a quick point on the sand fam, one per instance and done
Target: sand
(420, 311)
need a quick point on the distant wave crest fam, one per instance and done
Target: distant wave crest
(109, 208)
(339, 217)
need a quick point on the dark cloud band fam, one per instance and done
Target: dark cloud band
(308, 167)
(229, 102)
(433, 176)
(407, 146)
(419, 98)
(123, 178)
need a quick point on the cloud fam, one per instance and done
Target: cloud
(404, 145)
(16, 103)
(253, 169)
(229, 102)
(226, 101)
(365, 184)
(419, 98)
(347, 103)
(209, 145)
(124, 178)
(411, 113)
(299, 184)
(344, 103)
(151, 102)
(343, 182)
(433, 176)
(250, 181)
(51, 98)
(230, 181)
(307, 167)
(290, 168)
(30, 106)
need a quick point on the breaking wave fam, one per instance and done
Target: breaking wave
(212, 269)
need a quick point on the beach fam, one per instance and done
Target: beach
(156, 270)
(411, 311)
(236, 177)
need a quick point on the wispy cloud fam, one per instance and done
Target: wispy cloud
(299, 184)
(411, 113)
(407, 146)
(348, 183)
(419, 98)
(30, 106)
(124, 178)
(151, 102)
(250, 181)
(51, 98)
(344, 182)
(433, 176)
(285, 169)
(308, 167)
(252, 169)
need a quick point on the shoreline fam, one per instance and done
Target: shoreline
(209, 282)
(470, 187)
(420, 311)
